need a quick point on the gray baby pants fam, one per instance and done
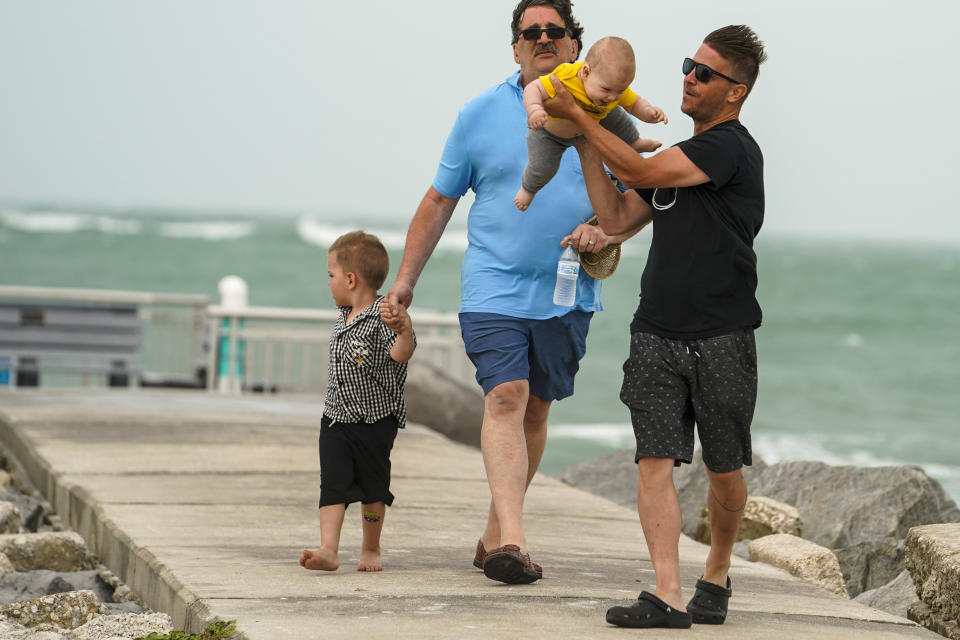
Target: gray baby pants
(544, 150)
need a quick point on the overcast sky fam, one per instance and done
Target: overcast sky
(341, 109)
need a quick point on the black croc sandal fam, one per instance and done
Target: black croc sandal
(709, 604)
(647, 612)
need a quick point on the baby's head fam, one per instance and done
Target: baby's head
(356, 260)
(608, 70)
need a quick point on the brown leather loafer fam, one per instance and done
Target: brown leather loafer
(481, 555)
(508, 565)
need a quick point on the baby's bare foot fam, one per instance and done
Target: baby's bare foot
(523, 199)
(320, 560)
(370, 561)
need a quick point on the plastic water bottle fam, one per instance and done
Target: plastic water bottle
(568, 268)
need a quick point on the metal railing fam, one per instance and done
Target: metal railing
(287, 348)
(187, 339)
(174, 326)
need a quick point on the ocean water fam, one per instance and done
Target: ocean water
(859, 357)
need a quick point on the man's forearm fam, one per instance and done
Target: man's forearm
(626, 235)
(424, 233)
(605, 198)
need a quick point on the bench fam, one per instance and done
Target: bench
(79, 339)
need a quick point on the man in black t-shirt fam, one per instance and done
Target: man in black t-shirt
(692, 353)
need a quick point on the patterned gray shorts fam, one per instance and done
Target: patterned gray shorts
(669, 385)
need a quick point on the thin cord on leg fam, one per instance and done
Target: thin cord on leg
(725, 507)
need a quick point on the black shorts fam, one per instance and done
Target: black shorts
(670, 385)
(355, 461)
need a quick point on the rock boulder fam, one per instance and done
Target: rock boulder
(24, 585)
(761, 517)
(125, 625)
(438, 401)
(9, 518)
(871, 564)
(894, 597)
(614, 476)
(842, 506)
(933, 560)
(63, 610)
(802, 558)
(924, 615)
(32, 512)
(860, 513)
(53, 550)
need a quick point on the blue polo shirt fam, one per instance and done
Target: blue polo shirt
(510, 266)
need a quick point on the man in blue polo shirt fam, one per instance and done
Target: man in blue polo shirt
(526, 349)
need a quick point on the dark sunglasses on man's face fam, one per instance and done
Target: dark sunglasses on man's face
(533, 33)
(703, 73)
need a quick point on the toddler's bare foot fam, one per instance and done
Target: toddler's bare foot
(523, 199)
(646, 144)
(320, 560)
(370, 561)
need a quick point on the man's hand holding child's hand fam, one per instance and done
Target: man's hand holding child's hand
(395, 316)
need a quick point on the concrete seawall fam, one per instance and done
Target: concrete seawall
(202, 504)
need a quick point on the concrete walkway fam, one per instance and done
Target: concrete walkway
(202, 504)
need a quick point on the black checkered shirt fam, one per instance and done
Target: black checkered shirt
(364, 384)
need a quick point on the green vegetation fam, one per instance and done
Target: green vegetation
(221, 629)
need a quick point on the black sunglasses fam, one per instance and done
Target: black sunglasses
(703, 72)
(554, 33)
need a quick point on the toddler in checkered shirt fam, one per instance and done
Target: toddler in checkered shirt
(364, 407)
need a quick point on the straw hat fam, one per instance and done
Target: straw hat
(603, 263)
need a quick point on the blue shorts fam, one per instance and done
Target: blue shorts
(547, 352)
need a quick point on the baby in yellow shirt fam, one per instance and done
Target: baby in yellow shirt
(599, 84)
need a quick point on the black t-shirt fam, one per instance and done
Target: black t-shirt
(701, 275)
